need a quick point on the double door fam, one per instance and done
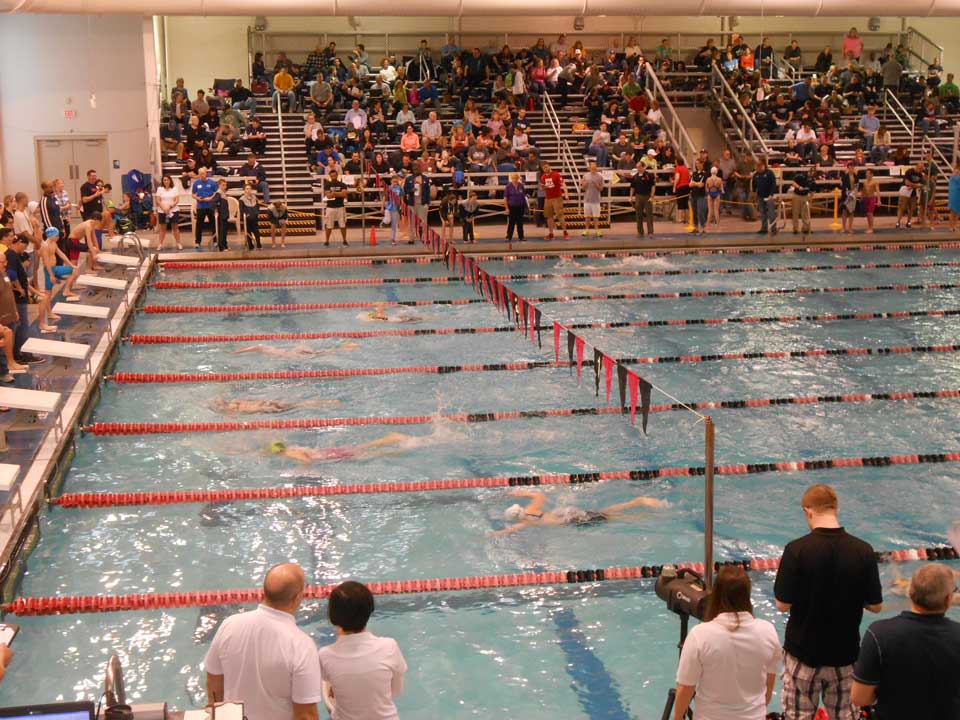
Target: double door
(69, 159)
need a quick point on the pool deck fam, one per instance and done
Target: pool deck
(42, 452)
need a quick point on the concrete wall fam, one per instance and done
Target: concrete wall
(55, 62)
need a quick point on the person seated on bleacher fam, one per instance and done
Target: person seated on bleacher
(882, 144)
(853, 92)
(598, 145)
(180, 109)
(949, 94)
(255, 174)
(179, 87)
(283, 88)
(869, 124)
(242, 98)
(200, 105)
(806, 139)
(460, 141)
(432, 131)
(315, 61)
(622, 145)
(927, 120)
(195, 136)
(211, 123)
(781, 117)
(747, 61)
(321, 96)
(404, 117)
(351, 90)
(613, 117)
(793, 56)
(172, 137)
(206, 159)
(337, 72)
(189, 173)
(410, 141)
(255, 137)
(428, 94)
(379, 165)
(312, 132)
(282, 63)
(379, 90)
(353, 166)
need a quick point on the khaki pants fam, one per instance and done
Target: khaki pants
(801, 211)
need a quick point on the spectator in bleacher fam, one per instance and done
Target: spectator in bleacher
(258, 70)
(882, 144)
(892, 71)
(793, 55)
(283, 88)
(200, 105)
(195, 137)
(802, 185)
(282, 63)
(321, 96)
(203, 191)
(432, 131)
(168, 211)
(404, 117)
(255, 137)
(354, 166)
(852, 44)
(255, 174)
(949, 94)
(180, 109)
(904, 661)
(241, 98)
(927, 120)
(172, 137)
(824, 60)
(597, 147)
(356, 117)
(854, 93)
(179, 87)
(410, 141)
(428, 95)
(747, 61)
(868, 127)
(765, 58)
(312, 133)
(806, 139)
(764, 184)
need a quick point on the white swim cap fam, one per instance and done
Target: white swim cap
(513, 513)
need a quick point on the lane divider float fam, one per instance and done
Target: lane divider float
(178, 497)
(301, 307)
(69, 605)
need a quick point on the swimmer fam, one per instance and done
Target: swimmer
(264, 407)
(534, 515)
(297, 352)
(379, 314)
(625, 286)
(901, 585)
(389, 444)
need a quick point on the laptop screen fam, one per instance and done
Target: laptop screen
(57, 711)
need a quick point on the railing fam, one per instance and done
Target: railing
(893, 106)
(567, 159)
(675, 130)
(746, 129)
(939, 159)
(922, 48)
(283, 151)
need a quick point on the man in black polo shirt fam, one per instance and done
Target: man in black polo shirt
(91, 196)
(642, 186)
(825, 581)
(906, 663)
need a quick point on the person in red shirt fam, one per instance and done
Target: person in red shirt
(681, 189)
(554, 191)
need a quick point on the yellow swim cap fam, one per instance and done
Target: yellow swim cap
(278, 446)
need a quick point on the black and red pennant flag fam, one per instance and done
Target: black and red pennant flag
(522, 313)
(571, 342)
(533, 321)
(537, 315)
(639, 386)
(597, 361)
(622, 384)
(608, 371)
(579, 345)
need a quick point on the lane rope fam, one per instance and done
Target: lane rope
(119, 428)
(681, 294)
(585, 274)
(69, 605)
(260, 264)
(176, 497)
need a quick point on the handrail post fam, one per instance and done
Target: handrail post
(708, 453)
(283, 153)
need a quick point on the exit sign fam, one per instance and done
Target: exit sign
(69, 114)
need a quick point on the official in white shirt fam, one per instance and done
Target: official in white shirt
(731, 659)
(263, 660)
(365, 672)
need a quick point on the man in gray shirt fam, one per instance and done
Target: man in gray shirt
(891, 71)
(592, 187)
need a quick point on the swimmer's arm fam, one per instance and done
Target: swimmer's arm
(510, 529)
(537, 500)
(64, 257)
(252, 348)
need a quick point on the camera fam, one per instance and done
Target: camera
(683, 591)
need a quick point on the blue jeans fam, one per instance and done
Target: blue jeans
(248, 104)
(699, 210)
(600, 153)
(291, 99)
(767, 207)
(20, 333)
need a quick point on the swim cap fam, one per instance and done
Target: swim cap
(513, 513)
(51, 232)
(277, 446)
(713, 171)
(33, 205)
(110, 205)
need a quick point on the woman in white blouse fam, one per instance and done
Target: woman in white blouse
(168, 215)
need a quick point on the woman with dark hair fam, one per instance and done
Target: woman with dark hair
(730, 659)
(364, 672)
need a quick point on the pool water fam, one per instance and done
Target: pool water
(588, 651)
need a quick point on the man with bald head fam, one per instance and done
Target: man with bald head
(263, 660)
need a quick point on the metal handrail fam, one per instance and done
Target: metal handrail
(747, 121)
(937, 153)
(912, 33)
(732, 122)
(892, 103)
(567, 158)
(675, 130)
(283, 152)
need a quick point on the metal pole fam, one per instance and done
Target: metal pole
(956, 143)
(708, 502)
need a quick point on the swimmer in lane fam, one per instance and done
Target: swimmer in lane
(390, 444)
(625, 286)
(265, 407)
(901, 585)
(379, 314)
(534, 515)
(300, 351)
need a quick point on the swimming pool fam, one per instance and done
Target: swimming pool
(594, 650)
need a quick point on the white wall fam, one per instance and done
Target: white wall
(201, 49)
(54, 62)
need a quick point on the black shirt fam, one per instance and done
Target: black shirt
(240, 94)
(698, 176)
(95, 205)
(911, 659)
(643, 183)
(914, 177)
(335, 186)
(14, 265)
(802, 186)
(827, 577)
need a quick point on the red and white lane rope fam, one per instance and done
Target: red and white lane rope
(352, 262)
(583, 274)
(302, 307)
(177, 497)
(112, 428)
(69, 605)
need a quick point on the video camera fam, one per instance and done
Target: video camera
(683, 591)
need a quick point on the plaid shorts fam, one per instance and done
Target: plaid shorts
(805, 686)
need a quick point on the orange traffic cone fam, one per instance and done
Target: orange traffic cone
(373, 235)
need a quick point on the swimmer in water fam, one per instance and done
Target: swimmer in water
(264, 407)
(625, 286)
(297, 352)
(379, 314)
(901, 585)
(390, 444)
(534, 515)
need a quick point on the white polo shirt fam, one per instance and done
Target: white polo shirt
(268, 663)
(729, 667)
(366, 674)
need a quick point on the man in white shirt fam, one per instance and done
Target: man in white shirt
(365, 672)
(807, 142)
(356, 117)
(263, 660)
(432, 131)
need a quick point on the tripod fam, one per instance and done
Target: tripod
(672, 693)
